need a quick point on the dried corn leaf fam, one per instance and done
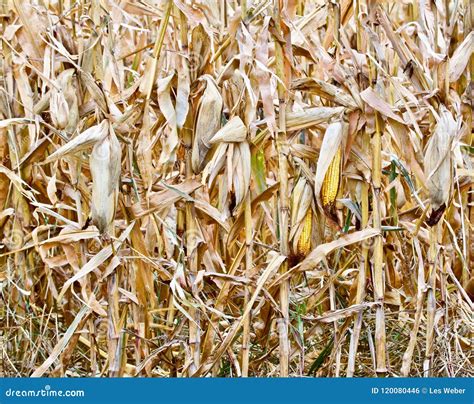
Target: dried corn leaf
(82, 141)
(325, 90)
(374, 101)
(311, 117)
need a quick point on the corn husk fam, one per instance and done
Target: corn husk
(330, 147)
(63, 104)
(169, 142)
(207, 122)
(438, 163)
(59, 109)
(241, 171)
(301, 218)
(331, 180)
(104, 164)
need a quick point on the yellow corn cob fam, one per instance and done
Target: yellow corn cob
(330, 185)
(304, 243)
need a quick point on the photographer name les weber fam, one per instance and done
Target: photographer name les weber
(446, 390)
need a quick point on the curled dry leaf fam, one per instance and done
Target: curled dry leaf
(377, 103)
(82, 141)
(321, 251)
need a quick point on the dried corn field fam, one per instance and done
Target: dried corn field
(236, 188)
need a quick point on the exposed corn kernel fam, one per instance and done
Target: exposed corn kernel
(331, 181)
(304, 242)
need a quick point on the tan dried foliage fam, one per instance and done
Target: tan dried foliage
(246, 188)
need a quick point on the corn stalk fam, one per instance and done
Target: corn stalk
(282, 150)
(378, 254)
(248, 274)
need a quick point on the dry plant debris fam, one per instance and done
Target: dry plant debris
(236, 188)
